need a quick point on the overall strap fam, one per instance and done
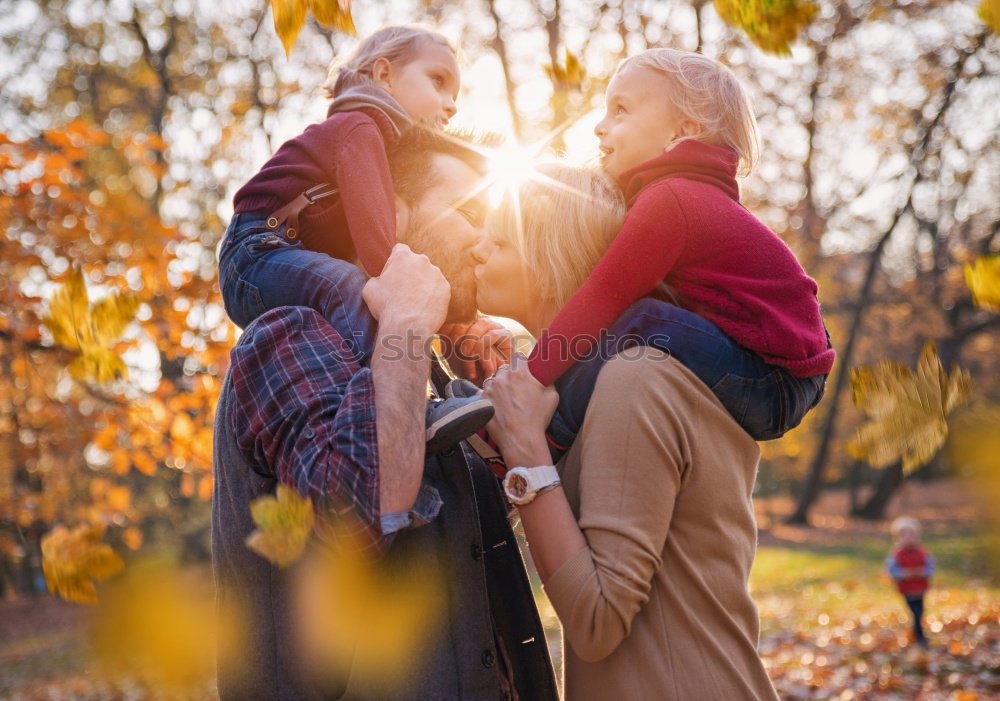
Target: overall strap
(290, 212)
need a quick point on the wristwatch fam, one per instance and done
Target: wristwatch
(522, 484)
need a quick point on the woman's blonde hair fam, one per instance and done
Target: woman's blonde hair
(708, 93)
(394, 44)
(561, 223)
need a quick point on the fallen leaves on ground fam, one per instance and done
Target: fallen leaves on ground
(846, 642)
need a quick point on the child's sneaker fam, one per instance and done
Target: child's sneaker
(461, 388)
(455, 419)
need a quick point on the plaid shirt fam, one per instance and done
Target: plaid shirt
(305, 414)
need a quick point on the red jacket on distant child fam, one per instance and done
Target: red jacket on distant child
(911, 557)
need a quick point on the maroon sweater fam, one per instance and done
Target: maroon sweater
(348, 151)
(686, 226)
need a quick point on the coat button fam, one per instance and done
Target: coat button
(488, 658)
(309, 433)
(477, 552)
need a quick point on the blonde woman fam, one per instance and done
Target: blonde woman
(644, 535)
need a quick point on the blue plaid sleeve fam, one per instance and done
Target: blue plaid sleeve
(306, 416)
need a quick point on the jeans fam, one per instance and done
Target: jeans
(260, 269)
(916, 604)
(766, 400)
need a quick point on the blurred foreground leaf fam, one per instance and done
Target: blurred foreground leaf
(290, 17)
(989, 12)
(773, 25)
(71, 561)
(369, 617)
(284, 523)
(90, 329)
(983, 280)
(907, 411)
(159, 624)
(571, 75)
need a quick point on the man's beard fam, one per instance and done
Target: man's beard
(456, 266)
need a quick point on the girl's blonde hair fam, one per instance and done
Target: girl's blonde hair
(707, 92)
(905, 522)
(394, 44)
(561, 223)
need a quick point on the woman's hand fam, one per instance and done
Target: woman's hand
(478, 349)
(524, 408)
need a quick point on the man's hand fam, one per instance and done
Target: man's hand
(410, 294)
(524, 408)
(478, 349)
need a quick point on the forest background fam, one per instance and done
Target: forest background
(126, 127)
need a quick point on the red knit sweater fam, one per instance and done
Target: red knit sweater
(348, 151)
(686, 226)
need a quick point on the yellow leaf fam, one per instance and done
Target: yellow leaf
(132, 537)
(90, 330)
(158, 623)
(71, 561)
(205, 487)
(907, 412)
(284, 524)
(983, 280)
(333, 14)
(289, 16)
(119, 498)
(182, 428)
(571, 76)
(989, 12)
(374, 613)
(110, 316)
(143, 463)
(69, 312)
(770, 24)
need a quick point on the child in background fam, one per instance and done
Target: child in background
(911, 568)
(747, 321)
(324, 201)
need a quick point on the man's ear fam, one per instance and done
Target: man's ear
(382, 72)
(402, 219)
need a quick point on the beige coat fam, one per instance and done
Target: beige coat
(657, 606)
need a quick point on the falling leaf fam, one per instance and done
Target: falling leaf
(908, 413)
(284, 524)
(90, 329)
(159, 624)
(983, 280)
(570, 76)
(773, 25)
(989, 12)
(290, 17)
(376, 615)
(333, 14)
(71, 561)
(132, 537)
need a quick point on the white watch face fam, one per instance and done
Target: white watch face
(517, 486)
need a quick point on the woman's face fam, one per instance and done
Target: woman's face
(503, 285)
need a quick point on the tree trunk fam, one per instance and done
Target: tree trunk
(814, 480)
(889, 481)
